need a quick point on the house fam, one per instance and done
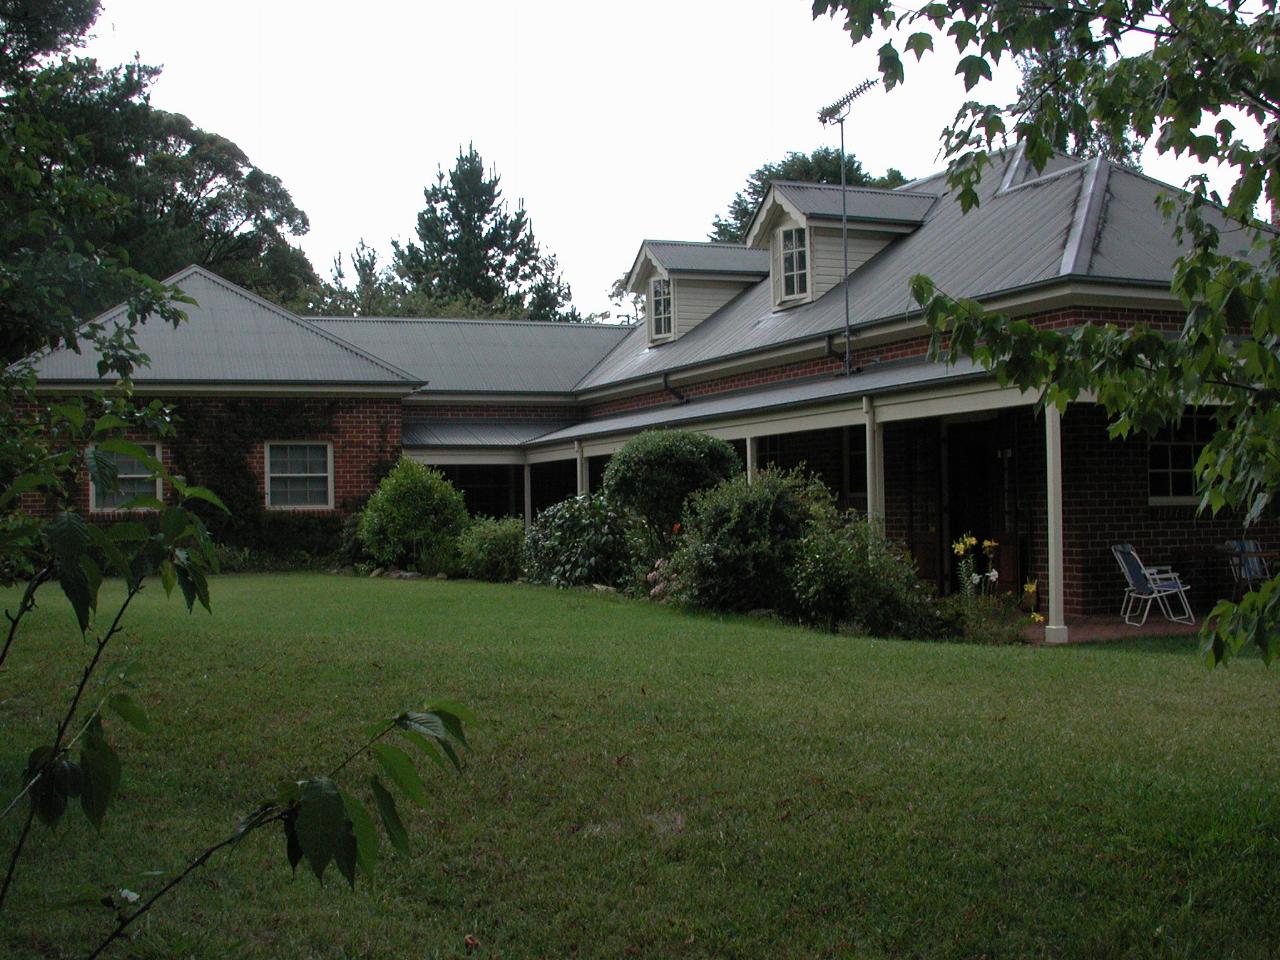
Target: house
(746, 342)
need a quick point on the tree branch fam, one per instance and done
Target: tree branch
(25, 606)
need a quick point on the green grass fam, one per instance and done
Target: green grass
(658, 784)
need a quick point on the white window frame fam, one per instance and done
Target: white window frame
(93, 489)
(1179, 500)
(266, 470)
(796, 274)
(669, 315)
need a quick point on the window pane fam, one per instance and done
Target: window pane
(309, 458)
(1159, 484)
(1181, 485)
(789, 284)
(804, 282)
(299, 491)
(130, 487)
(1181, 456)
(802, 262)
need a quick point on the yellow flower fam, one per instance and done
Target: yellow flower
(970, 540)
(959, 548)
(1037, 618)
(989, 544)
(1031, 586)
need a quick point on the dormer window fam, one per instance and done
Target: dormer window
(660, 301)
(795, 263)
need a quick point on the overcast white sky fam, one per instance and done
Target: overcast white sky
(611, 122)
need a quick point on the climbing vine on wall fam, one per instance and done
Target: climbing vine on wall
(214, 441)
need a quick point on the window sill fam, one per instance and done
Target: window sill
(300, 508)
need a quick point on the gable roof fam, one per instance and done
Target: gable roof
(821, 201)
(482, 356)
(232, 336)
(679, 256)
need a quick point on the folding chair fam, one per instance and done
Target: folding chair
(1248, 569)
(1147, 585)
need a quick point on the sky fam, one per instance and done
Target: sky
(612, 123)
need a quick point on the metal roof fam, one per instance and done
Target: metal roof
(1007, 242)
(233, 336)
(678, 256)
(882, 378)
(458, 432)
(483, 356)
(864, 203)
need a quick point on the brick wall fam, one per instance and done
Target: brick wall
(1105, 501)
(861, 357)
(365, 435)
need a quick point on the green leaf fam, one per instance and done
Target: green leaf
(365, 834)
(207, 495)
(49, 801)
(402, 772)
(346, 853)
(103, 470)
(391, 822)
(427, 745)
(292, 847)
(918, 43)
(72, 412)
(109, 421)
(974, 68)
(448, 706)
(100, 766)
(288, 791)
(128, 710)
(322, 822)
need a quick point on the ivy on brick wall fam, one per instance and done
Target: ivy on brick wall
(215, 440)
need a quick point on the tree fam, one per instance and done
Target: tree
(471, 247)
(1201, 60)
(821, 166)
(1050, 89)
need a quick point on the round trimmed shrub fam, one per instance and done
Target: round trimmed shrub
(579, 541)
(492, 550)
(740, 541)
(414, 518)
(655, 473)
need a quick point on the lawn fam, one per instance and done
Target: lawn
(653, 783)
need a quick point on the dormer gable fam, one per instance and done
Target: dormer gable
(682, 282)
(799, 225)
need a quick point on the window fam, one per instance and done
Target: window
(134, 479)
(660, 298)
(300, 476)
(1171, 459)
(795, 263)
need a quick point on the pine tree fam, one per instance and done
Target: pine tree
(472, 247)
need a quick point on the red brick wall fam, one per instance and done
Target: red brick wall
(1105, 501)
(365, 433)
(907, 348)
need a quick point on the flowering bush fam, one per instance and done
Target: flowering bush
(972, 580)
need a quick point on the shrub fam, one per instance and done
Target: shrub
(655, 473)
(492, 549)
(414, 517)
(579, 541)
(992, 619)
(740, 541)
(847, 571)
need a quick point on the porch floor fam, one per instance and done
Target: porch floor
(1091, 629)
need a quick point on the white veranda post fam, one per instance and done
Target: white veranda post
(1055, 630)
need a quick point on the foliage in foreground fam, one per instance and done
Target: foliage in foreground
(1202, 61)
(414, 519)
(656, 471)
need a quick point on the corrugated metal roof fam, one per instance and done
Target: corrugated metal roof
(677, 256)
(1009, 241)
(483, 356)
(474, 433)
(864, 203)
(233, 336)
(882, 378)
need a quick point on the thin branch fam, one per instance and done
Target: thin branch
(264, 817)
(17, 852)
(25, 606)
(361, 749)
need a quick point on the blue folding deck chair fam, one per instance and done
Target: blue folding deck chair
(1147, 585)
(1248, 567)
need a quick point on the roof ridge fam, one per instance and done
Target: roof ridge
(854, 188)
(476, 321)
(703, 243)
(1083, 233)
(280, 311)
